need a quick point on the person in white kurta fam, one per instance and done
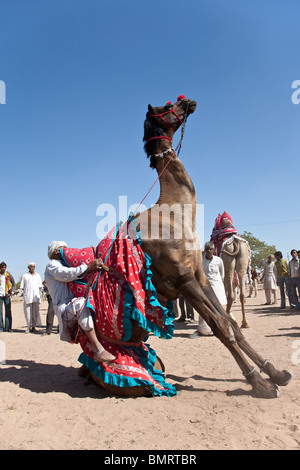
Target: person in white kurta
(31, 284)
(270, 280)
(67, 308)
(214, 270)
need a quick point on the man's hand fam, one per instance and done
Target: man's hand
(96, 265)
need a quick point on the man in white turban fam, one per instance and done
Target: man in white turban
(53, 246)
(31, 285)
(67, 308)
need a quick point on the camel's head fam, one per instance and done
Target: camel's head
(171, 116)
(163, 121)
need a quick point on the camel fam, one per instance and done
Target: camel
(177, 260)
(235, 256)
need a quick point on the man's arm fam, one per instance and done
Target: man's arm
(65, 274)
(276, 272)
(40, 282)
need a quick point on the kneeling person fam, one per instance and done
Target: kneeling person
(68, 309)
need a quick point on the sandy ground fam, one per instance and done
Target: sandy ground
(45, 405)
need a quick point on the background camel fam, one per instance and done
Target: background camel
(235, 256)
(235, 253)
(169, 237)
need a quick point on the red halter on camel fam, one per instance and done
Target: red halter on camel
(180, 97)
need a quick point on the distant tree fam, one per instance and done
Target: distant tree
(17, 286)
(259, 250)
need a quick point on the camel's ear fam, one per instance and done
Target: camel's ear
(150, 109)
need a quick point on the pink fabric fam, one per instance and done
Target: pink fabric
(116, 298)
(222, 230)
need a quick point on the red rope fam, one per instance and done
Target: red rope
(166, 112)
(160, 137)
(154, 183)
(88, 285)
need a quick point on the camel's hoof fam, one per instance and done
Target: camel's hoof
(281, 378)
(245, 325)
(267, 392)
(285, 378)
(262, 388)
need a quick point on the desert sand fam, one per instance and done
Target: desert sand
(45, 404)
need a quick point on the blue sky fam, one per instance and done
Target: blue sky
(79, 76)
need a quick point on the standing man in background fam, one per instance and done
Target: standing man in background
(214, 270)
(31, 284)
(294, 272)
(283, 279)
(7, 283)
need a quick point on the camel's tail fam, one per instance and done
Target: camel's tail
(236, 249)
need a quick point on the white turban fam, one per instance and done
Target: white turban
(31, 264)
(53, 246)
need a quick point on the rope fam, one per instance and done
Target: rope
(115, 234)
(108, 253)
(153, 185)
(178, 148)
(132, 216)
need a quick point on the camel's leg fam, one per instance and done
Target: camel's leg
(222, 329)
(229, 281)
(242, 278)
(241, 269)
(278, 377)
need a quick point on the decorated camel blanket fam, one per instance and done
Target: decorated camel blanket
(224, 233)
(115, 298)
(223, 230)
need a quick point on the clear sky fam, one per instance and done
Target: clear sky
(79, 76)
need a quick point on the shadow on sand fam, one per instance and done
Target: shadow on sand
(48, 378)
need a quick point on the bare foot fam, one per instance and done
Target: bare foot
(103, 356)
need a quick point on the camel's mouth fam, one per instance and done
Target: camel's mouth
(192, 105)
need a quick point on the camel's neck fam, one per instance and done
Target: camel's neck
(175, 184)
(177, 203)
